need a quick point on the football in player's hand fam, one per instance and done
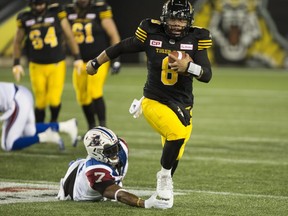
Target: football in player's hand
(177, 54)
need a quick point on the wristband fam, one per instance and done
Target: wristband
(77, 56)
(116, 193)
(95, 64)
(194, 69)
(138, 202)
(16, 61)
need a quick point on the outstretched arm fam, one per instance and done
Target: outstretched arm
(121, 195)
(128, 45)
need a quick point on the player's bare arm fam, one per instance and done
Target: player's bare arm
(17, 69)
(116, 192)
(69, 36)
(93, 65)
(109, 25)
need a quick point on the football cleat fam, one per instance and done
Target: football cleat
(164, 186)
(51, 136)
(70, 127)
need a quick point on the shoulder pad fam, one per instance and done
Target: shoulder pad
(201, 33)
(55, 7)
(23, 15)
(204, 38)
(69, 6)
(99, 3)
(149, 25)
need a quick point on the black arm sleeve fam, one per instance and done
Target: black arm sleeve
(128, 45)
(201, 58)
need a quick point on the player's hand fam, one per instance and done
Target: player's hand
(153, 202)
(115, 67)
(180, 65)
(92, 67)
(78, 64)
(18, 71)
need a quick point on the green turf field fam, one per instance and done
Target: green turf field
(236, 162)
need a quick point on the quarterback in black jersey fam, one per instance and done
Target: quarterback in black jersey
(168, 91)
(42, 28)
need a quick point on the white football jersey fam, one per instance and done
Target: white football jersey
(16, 112)
(7, 103)
(91, 171)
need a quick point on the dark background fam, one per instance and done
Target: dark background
(129, 13)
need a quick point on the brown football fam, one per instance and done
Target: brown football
(178, 54)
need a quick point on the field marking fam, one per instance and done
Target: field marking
(27, 192)
(135, 153)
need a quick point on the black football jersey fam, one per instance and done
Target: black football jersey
(88, 32)
(164, 84)
(44, 42)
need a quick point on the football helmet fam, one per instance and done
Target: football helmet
(102, 144)
(33, 4)
(38, 1)
(177, 10)
(82, 4)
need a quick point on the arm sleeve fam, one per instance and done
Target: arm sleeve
(128, 45)
(201, 58)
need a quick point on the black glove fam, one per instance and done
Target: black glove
(115, 66)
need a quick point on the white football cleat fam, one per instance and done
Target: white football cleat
(164, 186)
(70, 127)
(51, 136)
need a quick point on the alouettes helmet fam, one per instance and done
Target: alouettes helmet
(102, 144)
(177, 9)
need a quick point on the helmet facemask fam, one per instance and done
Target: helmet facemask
(177, 18)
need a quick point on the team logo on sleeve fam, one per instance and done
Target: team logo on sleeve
(155, 43)
(186, 46)
(49, 20)
(30, 22)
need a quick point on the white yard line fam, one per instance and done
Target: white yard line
(13, 192)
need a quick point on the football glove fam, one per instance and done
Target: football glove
(78, 64)
(115, 66)
(18, 71)
(153, 202)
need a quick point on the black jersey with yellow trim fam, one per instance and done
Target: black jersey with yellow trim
(164, 84)
(88, 31)
(44, 42)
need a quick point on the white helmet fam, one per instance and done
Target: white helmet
(102, 144)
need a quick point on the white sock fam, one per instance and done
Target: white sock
(165, 171)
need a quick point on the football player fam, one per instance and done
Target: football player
(94, 30)
(168, 97)
(100, 176)
(43, 28)
(19, 129)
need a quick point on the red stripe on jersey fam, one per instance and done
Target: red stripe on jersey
(98, 175)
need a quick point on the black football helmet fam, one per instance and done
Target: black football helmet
(177, 9)
(38, 1)
(33, 3)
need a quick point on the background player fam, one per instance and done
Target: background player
(168, 97)
(94, 30)
(43, 28)
(100, 176)
(19, 130)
